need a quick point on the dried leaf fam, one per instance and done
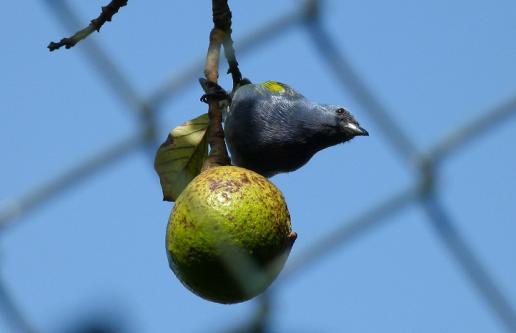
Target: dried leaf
(179, 159)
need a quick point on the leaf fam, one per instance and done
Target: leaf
(179, 159)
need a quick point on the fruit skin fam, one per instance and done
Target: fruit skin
(229, 234)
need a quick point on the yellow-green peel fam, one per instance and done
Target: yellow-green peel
(229, 234)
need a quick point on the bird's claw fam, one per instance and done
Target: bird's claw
(214, 92)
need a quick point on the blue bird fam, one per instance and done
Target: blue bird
(270, 128)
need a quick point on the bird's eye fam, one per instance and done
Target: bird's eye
(340, 111)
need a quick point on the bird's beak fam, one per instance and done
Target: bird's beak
(356, 130)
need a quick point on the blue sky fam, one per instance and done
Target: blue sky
(97, 249)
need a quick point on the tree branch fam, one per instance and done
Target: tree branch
(95, 25)
(220, 35)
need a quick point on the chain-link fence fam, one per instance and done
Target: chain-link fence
(424, 193)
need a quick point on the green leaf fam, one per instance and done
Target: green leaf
(179, 159)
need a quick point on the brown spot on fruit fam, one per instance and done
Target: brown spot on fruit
(214, 184)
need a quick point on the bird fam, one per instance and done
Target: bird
(270, 128)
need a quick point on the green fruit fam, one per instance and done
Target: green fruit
(229, 234)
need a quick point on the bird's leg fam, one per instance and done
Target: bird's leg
(214, 91)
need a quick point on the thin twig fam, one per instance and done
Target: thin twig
(109, 70)
(229, 53)
(220, 34)
(222, 20)
(39, 196)
(264, 34)
(95, 25)
(218, 152)
(113, 75)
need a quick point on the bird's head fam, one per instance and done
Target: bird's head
(331, 124)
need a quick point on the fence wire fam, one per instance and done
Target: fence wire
(424, 192)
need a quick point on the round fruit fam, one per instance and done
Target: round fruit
(229, 234)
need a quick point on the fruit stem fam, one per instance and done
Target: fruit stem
(219, 35)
